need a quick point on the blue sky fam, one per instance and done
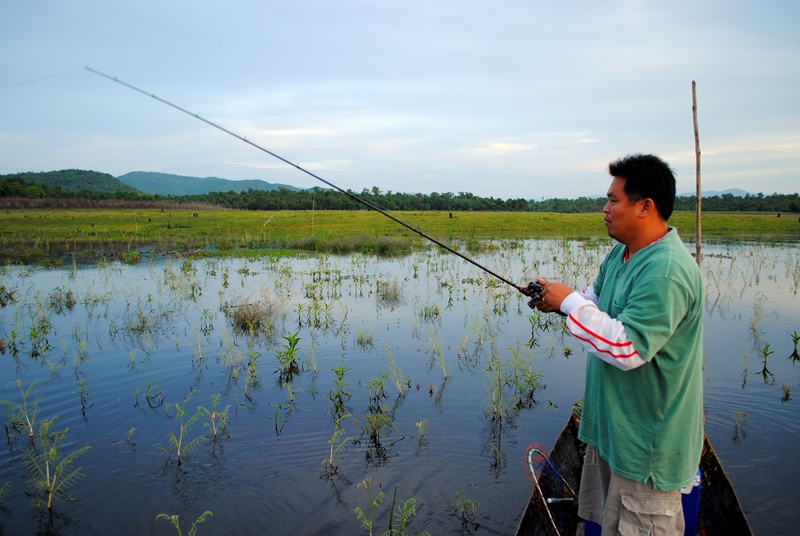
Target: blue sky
(506, 99)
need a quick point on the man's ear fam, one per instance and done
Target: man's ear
(648, 206)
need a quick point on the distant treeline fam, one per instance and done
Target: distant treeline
(323, 199)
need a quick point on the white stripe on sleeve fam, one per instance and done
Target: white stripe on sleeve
(604, 336)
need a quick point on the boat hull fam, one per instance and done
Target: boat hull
(719, 512)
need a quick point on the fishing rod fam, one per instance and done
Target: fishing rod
(533, 289)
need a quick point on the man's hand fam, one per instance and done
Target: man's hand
(552, 296)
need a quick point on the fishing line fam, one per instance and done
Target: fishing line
(532, 289)
(41, 78)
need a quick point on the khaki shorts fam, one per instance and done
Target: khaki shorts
(624, 506)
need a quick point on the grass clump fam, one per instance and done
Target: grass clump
(364, 338)
(251, 318)
(389, 293)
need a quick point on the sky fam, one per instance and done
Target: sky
(508, 99)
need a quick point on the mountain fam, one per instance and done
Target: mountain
(74, 180)
(168, 184)
(735, 192)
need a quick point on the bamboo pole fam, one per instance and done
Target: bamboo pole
(699, 209)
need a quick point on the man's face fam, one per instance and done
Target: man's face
(622, 216)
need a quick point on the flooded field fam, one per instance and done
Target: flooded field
(286, 395)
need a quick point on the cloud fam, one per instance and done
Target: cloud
(501, 148)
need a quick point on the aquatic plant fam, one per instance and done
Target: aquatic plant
(252, 373)
(146, 323)
(232, 357)
(338, 445)
(22, 414)
(794, 356)
(61, 300)
(175, 520)
(497, 405)
(765, 373)
(340, 393)
(465, 509)
(377, 419)
(758, 313)
(153, 395)
(524, 379)
(364, 338)
(388, 293)
(398, 378)
(373, 503)
(740, 419)
(787, 393)
(280, 418)
(745, 369)
(405, 511)
(422, 427)
(5, 491)
(7, 296)
(38, 331)
(377, 392)
(178, 442)
(251, 318)
(539, 322)
(431, 312)
(287, 357)
(206, 322)
(437, 353)
(51, 473)
(84, 396)
(217, 420)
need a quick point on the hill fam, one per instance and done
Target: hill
(736, 192)
(168, 184)
(74, 180)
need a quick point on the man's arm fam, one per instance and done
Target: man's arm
(603, 335)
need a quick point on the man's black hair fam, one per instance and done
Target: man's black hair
(647, 176)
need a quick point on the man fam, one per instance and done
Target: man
(642, 321)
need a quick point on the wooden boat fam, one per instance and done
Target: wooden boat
(719, 511)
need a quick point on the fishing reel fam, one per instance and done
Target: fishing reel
(533, 290)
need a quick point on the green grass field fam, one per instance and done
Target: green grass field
(45, 235)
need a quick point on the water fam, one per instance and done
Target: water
(131, 327)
